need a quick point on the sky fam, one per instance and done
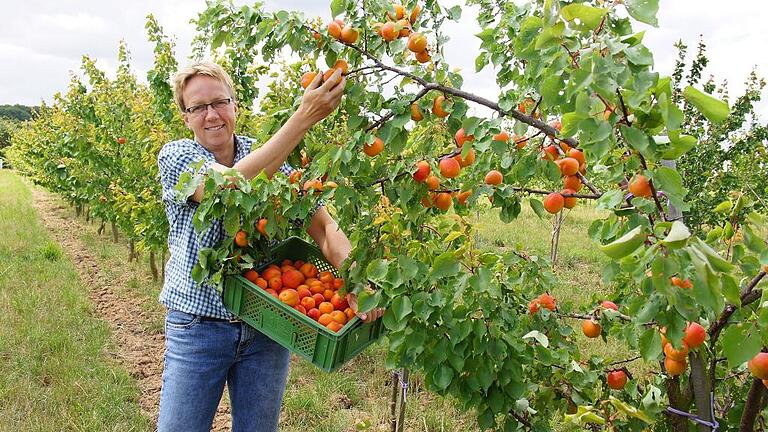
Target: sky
(42, 41)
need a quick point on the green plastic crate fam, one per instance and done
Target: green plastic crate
(285, 325)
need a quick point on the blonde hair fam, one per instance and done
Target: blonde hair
(207, 68)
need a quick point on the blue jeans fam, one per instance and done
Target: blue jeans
(200, 356)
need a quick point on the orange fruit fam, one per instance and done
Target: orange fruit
(339, 316)
(303, 291)
(416, 114)
(308, 270)
(675, 354)
(292, 278)
(674, 367)
(261, 227)
(252, 275)
(568, 166)
(578, 155)
(437, 107)
(640, 187)
(414, 14)
(307, 79)
(389, 32)
(349, 35)
(572, 183)
(326, 277)
(349, 313)
(325, 307)
(276, 283)
(262, 283)
(328, 294)
(399, 12)
(461, 137)
(554, 202)
(374, 148)
(334, 29)
(325, 319)
(468, 161)
(449, 167)
(318, 298)
(338, 283)
(443, 201)
(520, 142)
(241, 239)
(273, 293)
(494, 178)
(424, 57)
(308, 303)
(502, 136)
(301, 309)
(417, 42)
(591, 328)
(432, 182)
(551, 153)
(289, 297)
(334, 326)
(339, 302)
(569, 202)
(313, 313)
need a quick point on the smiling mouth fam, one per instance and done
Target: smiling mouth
(214, 128)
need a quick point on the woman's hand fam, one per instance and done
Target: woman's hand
(365, 316)
(320, 99)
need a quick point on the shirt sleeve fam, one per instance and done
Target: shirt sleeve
(174, 159)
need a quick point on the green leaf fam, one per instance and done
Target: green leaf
(624, 245)
(540, 337)
(638, 140)
(731, 289)
(669, 181)
(650, 344)
(678, 235)
(377, 270)
(445, 265)
(401, 306)
(443, 376)
(713, 109)
(740, 344)
(538, 208)
(643, 10)
(678, 145)
(589, 16)
(337, 7)
(715, 260)
(367, 300)
(724, 207)
(550, 36)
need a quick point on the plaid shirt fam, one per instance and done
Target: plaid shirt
(180, 291)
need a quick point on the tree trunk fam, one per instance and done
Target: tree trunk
(393, 402)
(153, 265)
(87, 214)
(115, 236)
(78, 210)
(679, 400)
(404, 386)
(131, 251)
(701, 389)
(752, 406)
(162, 263)
(101, 228)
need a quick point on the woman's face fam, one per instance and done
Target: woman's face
(213, 127)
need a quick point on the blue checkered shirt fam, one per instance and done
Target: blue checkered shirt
(180, 291)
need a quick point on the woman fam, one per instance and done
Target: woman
(206, 346)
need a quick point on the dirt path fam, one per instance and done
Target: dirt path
(140, 352)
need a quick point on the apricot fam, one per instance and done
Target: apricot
(470, 159)
(417, 42)
(554, 202)
(437, 107)
(416, 114)
(640, 187)
(694, 335)
(399, 12)
(494, 178)
(674, 367)
(502, 136)
(307, 79)
(241, 239)
(568, 166)
(551, 153)
(462, 197)
(289, 297)
(424, 57)
(339, 302)
(414, 14)
(578, 155)
(675, 354)
(341, 64)
(520, 142)
(422, 171)
(758, 365)
(389, 32)
(443, 201)
(461, 137)
(449, 167)
(334, 29)
(617, 379)
(349, 35)
(374, 148)
(573, 183)
(432, 182)
(308, 270)
(313, 313)
(590, 328)
(569, 202)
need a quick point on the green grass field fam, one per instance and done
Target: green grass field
(51, 345)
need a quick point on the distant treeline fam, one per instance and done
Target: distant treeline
(17, 112)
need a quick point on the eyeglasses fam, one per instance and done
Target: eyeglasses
(203, 108)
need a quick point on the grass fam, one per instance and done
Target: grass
(55, 375)
(354, 398)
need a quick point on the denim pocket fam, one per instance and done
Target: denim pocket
(180, 320)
